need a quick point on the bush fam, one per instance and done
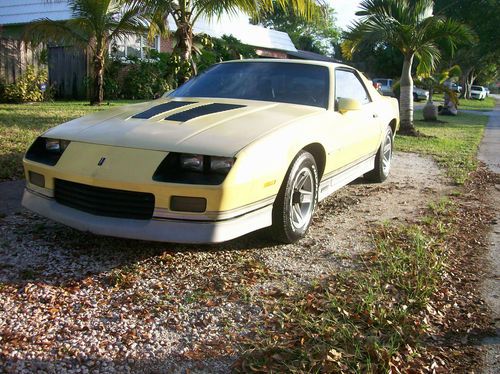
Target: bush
(27, 88)
(139, 79)
(145, 80)
(148, 79)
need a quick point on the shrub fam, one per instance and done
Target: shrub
(146, 79)
(27, 88)
(139, 79)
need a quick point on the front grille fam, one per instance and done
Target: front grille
(104, 201)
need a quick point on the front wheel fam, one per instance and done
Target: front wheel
(296, 200)
(383, 160)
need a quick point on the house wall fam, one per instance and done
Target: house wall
(23, 11)
(166, 45)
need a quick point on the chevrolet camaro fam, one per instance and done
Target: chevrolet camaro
(245, 145)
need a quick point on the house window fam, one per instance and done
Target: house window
(133, 46)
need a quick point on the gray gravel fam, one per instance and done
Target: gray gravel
(79, 303)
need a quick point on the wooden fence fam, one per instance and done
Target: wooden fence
(68, 67)
(68, 70)
(15, 55)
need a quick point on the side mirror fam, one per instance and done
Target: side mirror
(345, 105)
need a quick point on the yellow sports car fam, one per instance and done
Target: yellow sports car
(245, 145)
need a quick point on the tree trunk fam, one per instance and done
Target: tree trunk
(184, 50)
(406, 98)
(98, 94)
(467, 84)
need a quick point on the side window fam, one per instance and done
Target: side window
(348, 86)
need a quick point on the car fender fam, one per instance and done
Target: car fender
(263, 164)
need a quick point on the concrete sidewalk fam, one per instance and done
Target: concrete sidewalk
(489, 153)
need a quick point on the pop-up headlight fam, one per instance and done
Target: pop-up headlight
(193, 169)
(46, 150)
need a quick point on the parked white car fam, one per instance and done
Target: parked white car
(385, 86)
(478, 92)
(420, 94)
(453, 86)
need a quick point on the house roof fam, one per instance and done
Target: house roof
(24, 11)
(256, 36)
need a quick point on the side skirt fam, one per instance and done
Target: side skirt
(337, 181)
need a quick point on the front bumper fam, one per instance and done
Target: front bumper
(156, 229)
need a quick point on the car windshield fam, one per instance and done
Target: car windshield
(294, 83)
(477, 88)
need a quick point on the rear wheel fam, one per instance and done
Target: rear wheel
(296, 200)
(383, 160)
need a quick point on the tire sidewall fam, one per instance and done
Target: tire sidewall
(303, 159)
(388, 134)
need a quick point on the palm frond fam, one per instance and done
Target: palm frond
(130, 21)
(65, 32)
(428, 56)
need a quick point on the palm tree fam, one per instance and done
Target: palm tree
(94, 24)
(411, 27)
(186, 13)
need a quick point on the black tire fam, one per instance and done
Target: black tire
(382, 170)
(290, 203)
(415, 97)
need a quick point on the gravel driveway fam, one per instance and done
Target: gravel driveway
(76, 302)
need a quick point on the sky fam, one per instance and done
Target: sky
(345, 10)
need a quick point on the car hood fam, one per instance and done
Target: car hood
(191, 125)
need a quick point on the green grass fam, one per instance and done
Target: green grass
(357, 321)
(453, 144)
(20, 124)
(483, 105)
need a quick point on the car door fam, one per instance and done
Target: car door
(355, 134)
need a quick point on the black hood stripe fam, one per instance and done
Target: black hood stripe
(199, 111)
(162, 108)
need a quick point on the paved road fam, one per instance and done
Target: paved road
(489, 153)
(10, 197)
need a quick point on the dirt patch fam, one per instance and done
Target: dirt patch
(342, 224)
(78, 302)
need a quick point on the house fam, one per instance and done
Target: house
(68, 66)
